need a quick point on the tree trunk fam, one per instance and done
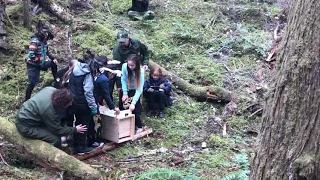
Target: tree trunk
(47, 155)
(26, 14)
(202, 93)
(55, 9)
(2, 24)
(288, 146)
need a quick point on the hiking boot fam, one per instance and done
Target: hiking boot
(64, 145)
(139, 130)
(86, 150)
(161, 114)
(63, 139)
(96, 144)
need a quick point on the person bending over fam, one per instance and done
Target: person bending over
(39, 117)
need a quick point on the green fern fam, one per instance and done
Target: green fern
(166, 173)
(237, 175)
(242, 161)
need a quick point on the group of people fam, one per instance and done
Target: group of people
(70, 107)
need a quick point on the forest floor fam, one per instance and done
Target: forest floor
(205, 43)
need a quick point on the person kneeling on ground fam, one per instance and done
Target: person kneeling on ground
(39, 117)
(132, 80)
(157, 91)
(139, 10)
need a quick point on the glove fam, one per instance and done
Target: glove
(94, 112)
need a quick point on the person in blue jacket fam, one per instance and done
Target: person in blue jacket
(132, 81)
(157, 91)
(101, 89)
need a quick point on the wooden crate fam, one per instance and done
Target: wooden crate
(117, 129)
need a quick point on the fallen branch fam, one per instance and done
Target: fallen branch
(68, 42)
(201, 93)
(106, 4)
(2, 159)
(46, 153)
(257, 111)
(97, 151)
(55, 9)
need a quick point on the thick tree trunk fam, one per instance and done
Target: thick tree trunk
(55, 9)
(26, 14)
(47, 155)
(2, 24)
(201, 93)
(289, 143)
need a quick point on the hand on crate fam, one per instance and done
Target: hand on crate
(117, 110)
(132, 107)
(124, 97)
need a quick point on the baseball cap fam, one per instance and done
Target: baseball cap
(122, 36)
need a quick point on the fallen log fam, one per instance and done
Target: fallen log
(202, 93)
(48, 155)
(55, 9)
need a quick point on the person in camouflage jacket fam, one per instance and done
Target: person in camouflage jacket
(37, 57)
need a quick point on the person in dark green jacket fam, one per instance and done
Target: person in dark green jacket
(39, 117)
(125, 47)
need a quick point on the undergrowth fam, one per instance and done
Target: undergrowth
(202, 42)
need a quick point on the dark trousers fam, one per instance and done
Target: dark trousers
(67, 118)
(112, 82)
(34, 75)
(137, 110)
(156, 97)
(83, 116)
(92, 135)
(38, 132)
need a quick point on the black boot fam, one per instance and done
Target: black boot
(84, 150)
(161, 114)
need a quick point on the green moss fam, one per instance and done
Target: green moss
(100, 37)
(217, 141)
(125, 151)
(238, 122)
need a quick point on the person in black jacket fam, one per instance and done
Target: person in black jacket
(139, 10)
(63, 75)
(157, 91)
(81, 84)
(101, 89)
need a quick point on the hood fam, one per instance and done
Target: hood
(81, 69)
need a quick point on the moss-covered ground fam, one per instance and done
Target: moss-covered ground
(204, 42)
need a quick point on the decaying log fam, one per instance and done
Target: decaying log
(55, 9)
(46, 153)
(201, 93)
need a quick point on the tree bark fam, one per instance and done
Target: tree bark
(55, 9)
(202, 93)
(46, 154)
(289, 142)
(2, 25)
(26, 14)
